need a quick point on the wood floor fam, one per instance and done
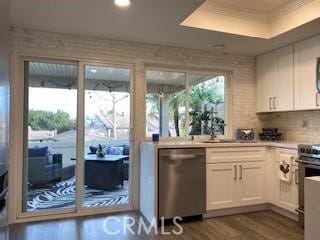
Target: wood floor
(264, 225)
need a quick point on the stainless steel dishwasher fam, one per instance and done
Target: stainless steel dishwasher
(182, 182)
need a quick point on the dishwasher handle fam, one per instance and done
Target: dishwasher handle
(180, 156)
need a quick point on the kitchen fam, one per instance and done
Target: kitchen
(242, 175)
(220, 118)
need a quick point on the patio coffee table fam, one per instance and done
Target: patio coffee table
(104, 173)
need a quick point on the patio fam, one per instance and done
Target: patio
(61, 192)
(62, 195)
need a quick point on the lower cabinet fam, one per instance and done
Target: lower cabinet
(287, 192)
(247, 176)
(235, 184)
(221, 185)
(252, 183)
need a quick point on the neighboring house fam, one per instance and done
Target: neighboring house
(41, 135)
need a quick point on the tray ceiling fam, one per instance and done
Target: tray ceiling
(261, 18)
(155, 21)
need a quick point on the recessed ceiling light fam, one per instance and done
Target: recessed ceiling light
(122, 3)
(93, 70)
(219, 46)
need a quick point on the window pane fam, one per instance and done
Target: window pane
(50, 136)
(107, 127)
(165, 103)
(207, 104)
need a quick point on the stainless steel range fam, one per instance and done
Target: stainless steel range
(309, 166)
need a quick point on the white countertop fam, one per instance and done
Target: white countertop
(316, 178)
(198, 144)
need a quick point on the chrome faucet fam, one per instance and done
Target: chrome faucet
(214, 125)
(213, 134)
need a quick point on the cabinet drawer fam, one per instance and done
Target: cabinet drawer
(287, 152)
(235, 154)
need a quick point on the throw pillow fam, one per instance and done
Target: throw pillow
(116, 150)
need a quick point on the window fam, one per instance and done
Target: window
(166, 112)
(179, 104)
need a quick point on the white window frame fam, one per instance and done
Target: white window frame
(16, 214)
(228, 100)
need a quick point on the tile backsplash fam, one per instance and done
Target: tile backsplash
(300, 126)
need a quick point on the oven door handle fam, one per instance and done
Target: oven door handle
(308, 164)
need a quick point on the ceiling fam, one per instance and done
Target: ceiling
(261, 19)
(103, 78)
(152, 21)
(263, 5)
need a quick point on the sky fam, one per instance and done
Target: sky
(52, 99)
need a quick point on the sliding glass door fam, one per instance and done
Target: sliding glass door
(77, 121)
(107, 136)
(49, 136)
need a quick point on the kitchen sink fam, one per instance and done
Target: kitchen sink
(220, 141)
(228, 141)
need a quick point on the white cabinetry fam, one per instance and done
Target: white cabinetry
(305, 57)
(235, 177)
(266, 71)
(275, 81)
(288, 191)
(221, 185)
(252, 183)
(280, 193)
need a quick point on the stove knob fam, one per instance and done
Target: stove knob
(302, 150)
(314, 151)
(308, 150)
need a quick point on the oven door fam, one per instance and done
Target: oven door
(305, 170)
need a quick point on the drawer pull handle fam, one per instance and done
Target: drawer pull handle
(235, 172)
(270, 100)
(240, 172)
(296, 176)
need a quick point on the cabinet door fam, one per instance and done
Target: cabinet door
(305, 58)
(252, 183)
(287, 192)
(283, 97)
(288, 195)
(221, 179)
(266, 70)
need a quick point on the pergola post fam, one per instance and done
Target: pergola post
(164, 114)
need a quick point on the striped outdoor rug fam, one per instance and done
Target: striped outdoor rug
(63, 194)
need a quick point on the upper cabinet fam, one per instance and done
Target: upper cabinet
(287, 78)
(275, 81)
(305, 60)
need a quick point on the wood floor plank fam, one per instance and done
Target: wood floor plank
(265, 225)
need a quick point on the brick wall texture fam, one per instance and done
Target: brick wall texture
(242, 67)
(295, 126)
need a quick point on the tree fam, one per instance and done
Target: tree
(47, 120)
(176, 101)
(209, 91)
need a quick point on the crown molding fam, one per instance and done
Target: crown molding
(288, 8)
(229, 9)
(253, 21)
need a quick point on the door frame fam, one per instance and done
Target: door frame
(17, 142)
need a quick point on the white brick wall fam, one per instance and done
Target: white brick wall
(243, 67)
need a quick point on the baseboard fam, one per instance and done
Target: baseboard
(237, 210)
(253, 208)
(284, 212)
